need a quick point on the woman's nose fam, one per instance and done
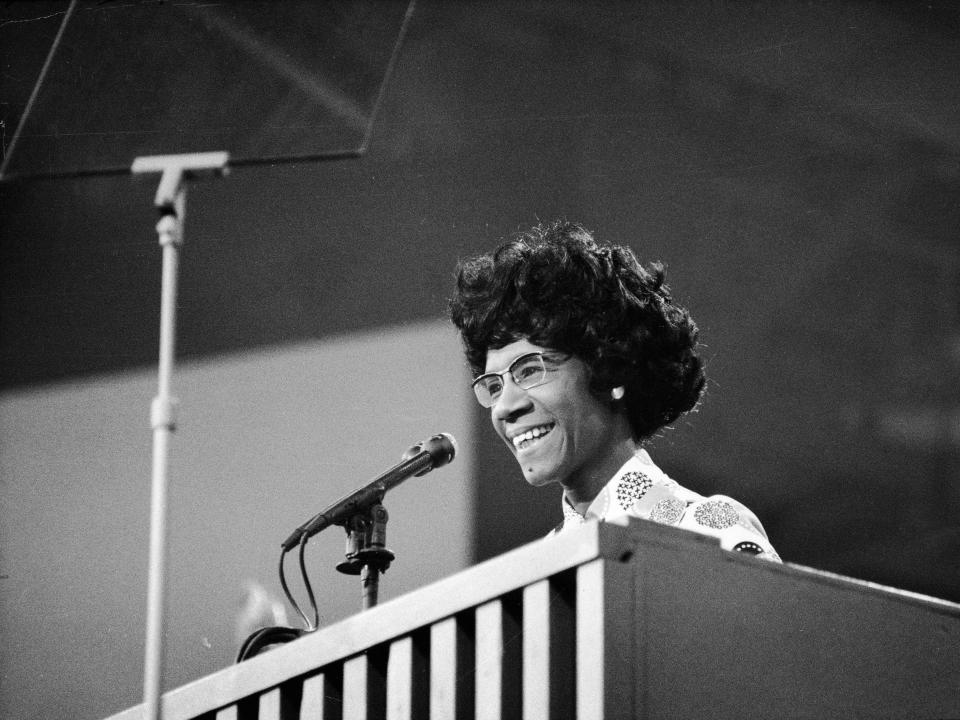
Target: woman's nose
(513, 400)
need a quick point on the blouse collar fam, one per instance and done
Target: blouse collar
(626, 491)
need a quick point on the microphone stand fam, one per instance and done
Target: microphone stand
(170, 200)
(367, 555)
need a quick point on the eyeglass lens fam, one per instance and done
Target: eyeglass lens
(527, 371)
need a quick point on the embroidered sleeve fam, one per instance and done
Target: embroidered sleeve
(733, 523)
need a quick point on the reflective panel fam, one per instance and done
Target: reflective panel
(261, 80)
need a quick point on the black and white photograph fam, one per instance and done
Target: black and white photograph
(479, 360)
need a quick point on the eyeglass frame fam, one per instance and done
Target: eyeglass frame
(544, 377)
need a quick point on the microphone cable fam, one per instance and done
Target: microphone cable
(267, 636)
(263, 637)
(310, 626)
(309, 587)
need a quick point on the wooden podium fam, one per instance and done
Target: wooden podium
(642, 621)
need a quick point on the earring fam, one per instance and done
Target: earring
(618, 392)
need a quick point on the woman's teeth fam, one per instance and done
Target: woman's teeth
(524, 439)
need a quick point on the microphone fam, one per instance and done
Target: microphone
(432, 453)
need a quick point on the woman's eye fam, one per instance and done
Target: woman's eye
(527, 371)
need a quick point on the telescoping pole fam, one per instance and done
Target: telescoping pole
(171, 202)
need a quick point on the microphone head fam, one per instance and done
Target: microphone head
(442, 448)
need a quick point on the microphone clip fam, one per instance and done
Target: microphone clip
(366, 541)
(366, 552)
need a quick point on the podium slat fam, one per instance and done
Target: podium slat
(365, 686)
(499, 648)
(408, 678)
(311, 704)
(270, 705)
(355, 688)
(452, 662)
(536, 651)
(489, 677)
(443, 670)
(322, 695)
(549, 631)
(604, 642)
(400, 680)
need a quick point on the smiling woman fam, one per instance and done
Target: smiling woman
(582, 355)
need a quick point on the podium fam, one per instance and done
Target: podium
(625, 622)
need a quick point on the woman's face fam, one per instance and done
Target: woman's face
(558, 431)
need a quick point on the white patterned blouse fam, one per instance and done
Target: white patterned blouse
(641, 489)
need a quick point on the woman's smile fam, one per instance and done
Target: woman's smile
(531, 438)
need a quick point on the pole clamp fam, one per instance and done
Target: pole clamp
(163, 412)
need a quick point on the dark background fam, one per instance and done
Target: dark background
(795, 165)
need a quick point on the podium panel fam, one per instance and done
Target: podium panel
(609, 622)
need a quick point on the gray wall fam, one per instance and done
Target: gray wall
(265, 440)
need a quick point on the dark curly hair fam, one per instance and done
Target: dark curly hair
(559, 288)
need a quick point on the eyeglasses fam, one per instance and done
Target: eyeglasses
(527, 372)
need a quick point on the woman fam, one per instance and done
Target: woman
(581, 355)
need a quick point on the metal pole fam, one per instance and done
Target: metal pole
(163, 421)
(170, 200)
